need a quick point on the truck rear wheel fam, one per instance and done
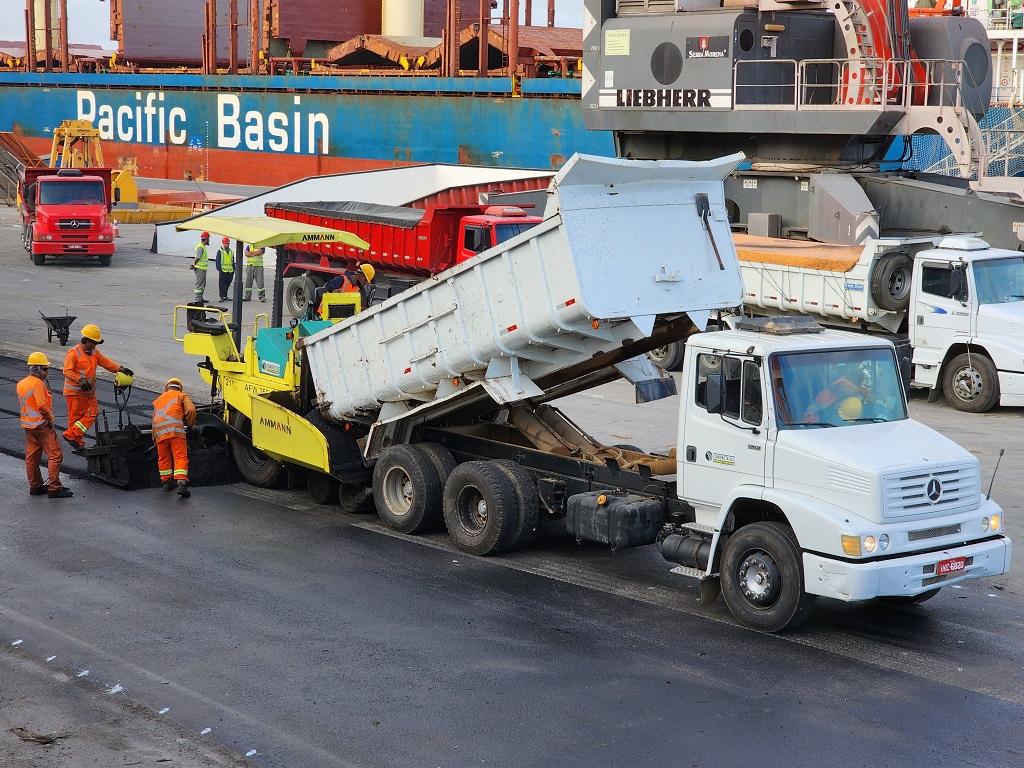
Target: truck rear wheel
(971, 383)
(762, 578)
(890, 281)
(670, 357)
(407, 490)
(39, 259)
(444, 463)
(323, 489)
(528, 503)
(256, 467)
(480, 508)
(297, 293)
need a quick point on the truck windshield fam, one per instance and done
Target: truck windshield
(503, 232)
(836, 388)
(999, 281)
(70, 192)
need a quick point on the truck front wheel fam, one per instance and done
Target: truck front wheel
(407, 490)
(104, 259)
(763, 578)
(480, 508)
(971, 383)
(39, 259)
(256, 467)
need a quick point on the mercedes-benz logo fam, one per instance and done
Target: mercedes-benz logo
(934, 490)
(74, 223)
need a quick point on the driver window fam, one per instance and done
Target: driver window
(935, 281)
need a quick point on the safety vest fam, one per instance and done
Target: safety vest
(34, 397)
(168, 416)
(202, 257)
(225, 260)
(255, 257)
(348, 286)
(83, 366)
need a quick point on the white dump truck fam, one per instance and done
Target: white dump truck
(793, 476)
(955, 303)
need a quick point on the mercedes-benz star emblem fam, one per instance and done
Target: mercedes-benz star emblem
(934, 490)
(74, 223)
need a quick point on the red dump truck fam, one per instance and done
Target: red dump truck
(66, 212)
(406, 244)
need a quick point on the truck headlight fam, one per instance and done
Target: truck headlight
(883, 541)
(870, 544)
(990, 523)
(49, 237)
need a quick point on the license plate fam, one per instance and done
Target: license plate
(74, 247)
(953, 565)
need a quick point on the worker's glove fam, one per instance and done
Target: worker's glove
(192, 267)
(129, 371)
(85, 386)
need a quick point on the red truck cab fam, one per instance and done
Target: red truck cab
(66, 212)
(495, 225)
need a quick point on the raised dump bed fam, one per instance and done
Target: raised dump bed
(623, 244)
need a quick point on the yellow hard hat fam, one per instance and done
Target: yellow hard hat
(92, 332)
(368, 271)
(38, 358)
(173, 383)
(850, 409)
(123, 380)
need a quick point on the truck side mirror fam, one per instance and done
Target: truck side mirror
(957, 285)
(30, 198)
(117, 195)
(715, 392)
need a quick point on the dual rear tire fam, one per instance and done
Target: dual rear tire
(487, 506)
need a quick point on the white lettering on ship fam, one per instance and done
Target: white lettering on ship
(151, 121)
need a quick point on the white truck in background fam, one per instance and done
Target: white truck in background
(794, 475)
(953, 303)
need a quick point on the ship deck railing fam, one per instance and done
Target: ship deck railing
(847, 84)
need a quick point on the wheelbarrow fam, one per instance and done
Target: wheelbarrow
(59, 327)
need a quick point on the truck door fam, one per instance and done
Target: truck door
(941, 310)
(722, 450)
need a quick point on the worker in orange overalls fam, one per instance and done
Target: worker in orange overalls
(173, 411)
(80, 383)
(36, 402)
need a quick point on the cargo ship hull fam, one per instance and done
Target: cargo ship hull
(272, 130)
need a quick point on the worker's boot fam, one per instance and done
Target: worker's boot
(168, 485)
(183, 490)
(60, 493)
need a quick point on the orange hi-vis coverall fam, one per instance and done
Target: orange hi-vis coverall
(172, 412)
(80, 389)
(40, 436)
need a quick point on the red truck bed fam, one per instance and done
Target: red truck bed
(405, 241)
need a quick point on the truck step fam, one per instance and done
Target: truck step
(699, 528)
(685, 570)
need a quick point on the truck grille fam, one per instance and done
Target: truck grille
(74, 225)
(942, 489)
(933, 533)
